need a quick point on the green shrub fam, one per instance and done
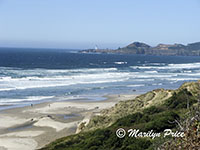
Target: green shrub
(180, 100)
(152, 110)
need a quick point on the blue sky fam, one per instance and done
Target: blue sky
(108, 23)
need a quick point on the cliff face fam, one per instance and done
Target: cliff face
(192, 49)
(194, 46)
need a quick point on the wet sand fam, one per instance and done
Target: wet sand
(32, 127)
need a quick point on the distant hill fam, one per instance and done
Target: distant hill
(192, 49)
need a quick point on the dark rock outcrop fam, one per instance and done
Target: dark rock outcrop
(192, 49)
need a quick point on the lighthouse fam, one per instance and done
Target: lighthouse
(96, 47)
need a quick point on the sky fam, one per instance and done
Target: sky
(81, 24)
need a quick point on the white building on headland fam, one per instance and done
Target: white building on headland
(96, 47)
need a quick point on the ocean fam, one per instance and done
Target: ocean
(30, 76)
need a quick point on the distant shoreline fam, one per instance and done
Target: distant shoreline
(192, 49)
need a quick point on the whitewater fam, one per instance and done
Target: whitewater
(55, 76)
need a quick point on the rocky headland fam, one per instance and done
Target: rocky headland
(192, 49)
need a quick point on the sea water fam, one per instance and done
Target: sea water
(36, 75)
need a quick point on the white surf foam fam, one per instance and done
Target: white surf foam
(136, 85)
(170, 66)
(55, 81)
(120, 62)
(26, 99)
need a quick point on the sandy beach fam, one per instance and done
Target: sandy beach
(32, 127)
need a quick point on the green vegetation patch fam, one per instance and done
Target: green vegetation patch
(156, 118)
(181, 100)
